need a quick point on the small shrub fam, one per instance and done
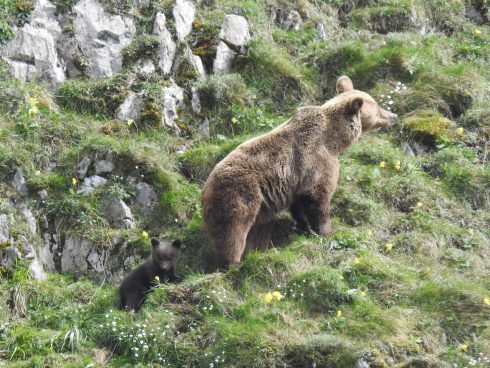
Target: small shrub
(222, 90)
(319, 291)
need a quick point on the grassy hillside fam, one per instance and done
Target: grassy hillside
(402, 282)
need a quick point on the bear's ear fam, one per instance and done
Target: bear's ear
(344, 84)
(155, 242)
(354, 105)
(177, 243)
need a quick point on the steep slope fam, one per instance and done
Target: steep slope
(127, 106)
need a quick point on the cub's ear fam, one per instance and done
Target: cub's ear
(155, 242)
(354, 105)
(344, 84)
(177, 243)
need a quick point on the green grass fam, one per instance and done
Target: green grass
(402, 281)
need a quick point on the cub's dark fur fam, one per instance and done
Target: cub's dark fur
(136, 285)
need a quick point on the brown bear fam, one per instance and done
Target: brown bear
(137, 284)
(294, 167)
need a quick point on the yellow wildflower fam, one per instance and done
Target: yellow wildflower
(276, 295)
(369, 232)
(144, 234)
(33, 101)
(382, 164)
(389, 247)
(268, 298)
(357, 260)
(73, 181)
(477, 32)
(363, 294)
(157, 279)
(341, 277)
(398, 165)
(234, 120)
(339, 313)
(463, 347)
(471, 231)
(419, 204)
(130, 122)
(33, 111)
(486, 301)
(460, 130)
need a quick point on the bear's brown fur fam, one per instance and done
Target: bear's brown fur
(293, 167)
(138, 283)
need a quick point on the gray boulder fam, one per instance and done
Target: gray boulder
(167, 49)
(74, 256)
(103, 167)
(145, 67)
(184, 12)
(118, 213)
(4, 229)
(235, 30)
(83, 166)
(101, 37)
(91, 183)
(32, 52)
(146, 198)
(173, 99)
(131, 107)
(224, 58)
(19, 183)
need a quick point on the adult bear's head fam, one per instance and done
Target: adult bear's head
(363, 106)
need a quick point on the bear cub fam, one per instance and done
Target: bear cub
(137, 284)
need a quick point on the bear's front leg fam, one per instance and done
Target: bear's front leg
(315, 206)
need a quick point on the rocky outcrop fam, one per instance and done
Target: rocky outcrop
(32, 52)
(90, 184)
(184, 12)
(19, 183)
(118, 213)
(146, 198)
(173, 100)
(233, 35)
(130, 108)
(234, 30)
(167, 48)
(101, 37)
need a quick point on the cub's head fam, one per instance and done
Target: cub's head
(165, 254)
(362, 106)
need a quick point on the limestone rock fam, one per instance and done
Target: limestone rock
(321, 32)
(235, 30)
(103, 167)
(184, 12)
(145, 67)
(32, 52)
(146, 198)
(167, 49)
(83, 167)
(173, 99)
(195, 101)
(224, 58)
(118, 213)
(28, 218)
(130, 108)
(290, 20)
(101, 37)
(4, 229)
(74, 256)
(19, 183)
(36, 270)
(91, 183)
